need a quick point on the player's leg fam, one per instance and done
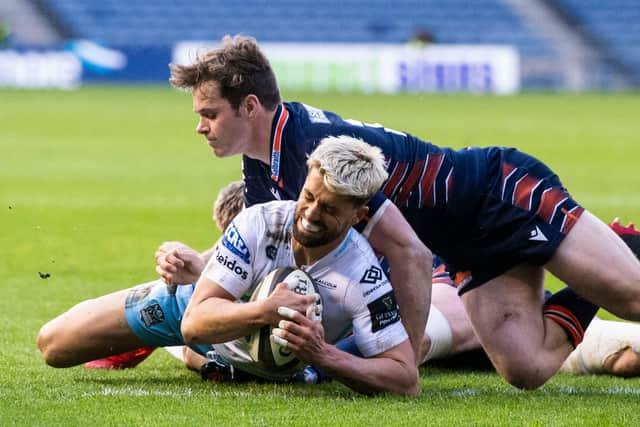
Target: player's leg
(448, 330)
(145, 315)
(623, 363)
(92, 329)
(609, 348)
(598, 265)
(525, 347)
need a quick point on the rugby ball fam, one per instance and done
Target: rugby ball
(269, 355)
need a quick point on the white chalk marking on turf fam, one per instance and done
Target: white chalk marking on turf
(609, 391)
(568, 390)
(464, 392)
(110, 391)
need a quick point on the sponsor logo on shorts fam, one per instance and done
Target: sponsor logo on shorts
(383, 311)
(233, 241)
(372, 275)
(152, 315)
(537, 235)
(232, 265)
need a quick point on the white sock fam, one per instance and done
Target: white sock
(175, 351)
(601, 340)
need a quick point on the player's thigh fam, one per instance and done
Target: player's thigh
(446, 299)
(598, 265)
(506, 314)
(97, 323)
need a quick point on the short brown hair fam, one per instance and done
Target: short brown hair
(228, 204)
(238, 67)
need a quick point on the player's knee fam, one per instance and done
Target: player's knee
(631, 307)
(525, 377)
(49, 344)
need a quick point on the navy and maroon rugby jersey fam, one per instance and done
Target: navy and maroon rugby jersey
(478, 208)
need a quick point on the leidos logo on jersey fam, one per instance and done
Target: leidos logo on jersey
(233, 241)
(232, 265)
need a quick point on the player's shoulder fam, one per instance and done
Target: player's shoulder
(273, 211)
(308, 114)
(356, 253)
(311, 121)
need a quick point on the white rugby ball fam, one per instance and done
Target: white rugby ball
(270, 355)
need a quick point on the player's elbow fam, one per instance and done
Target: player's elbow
(406, 384)
(411, 383)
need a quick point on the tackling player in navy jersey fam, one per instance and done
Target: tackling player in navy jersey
(499, 217)
(240, 118)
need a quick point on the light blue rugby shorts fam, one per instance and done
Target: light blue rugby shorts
(154, 312)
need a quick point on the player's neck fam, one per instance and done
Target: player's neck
(308, 256)
(261, 149)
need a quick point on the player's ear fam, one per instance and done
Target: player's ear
(360, 213)
(251, 105)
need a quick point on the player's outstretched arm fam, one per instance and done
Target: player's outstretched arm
(392, 371)
(410, 262)
(177, 263)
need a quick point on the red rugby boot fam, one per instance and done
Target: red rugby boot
(130, 359)
(629, 234)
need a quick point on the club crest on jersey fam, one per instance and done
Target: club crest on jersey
(271, 252)
(233, 241)
(316, 115)
(372, 275)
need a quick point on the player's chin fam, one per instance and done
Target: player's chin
(309, 239)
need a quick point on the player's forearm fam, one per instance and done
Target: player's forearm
(370, 375)
(411, 282)
(216, 320)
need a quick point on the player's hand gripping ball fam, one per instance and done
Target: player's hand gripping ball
(271, 355)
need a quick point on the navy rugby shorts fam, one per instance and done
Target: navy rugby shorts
(508, 210)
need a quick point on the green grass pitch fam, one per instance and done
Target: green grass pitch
(92, 181)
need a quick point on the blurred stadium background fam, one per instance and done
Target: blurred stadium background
(501, 46)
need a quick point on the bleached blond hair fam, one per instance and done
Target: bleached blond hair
(349, 167)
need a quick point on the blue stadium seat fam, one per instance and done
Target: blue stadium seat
(613, 24)
(162, 22)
